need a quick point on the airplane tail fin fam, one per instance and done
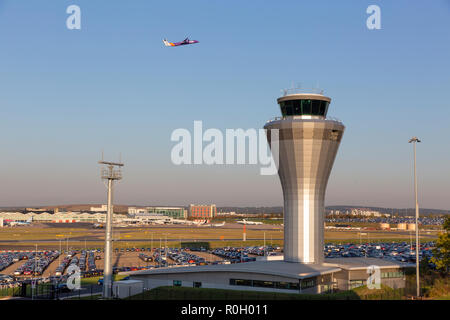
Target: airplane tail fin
(167, 43)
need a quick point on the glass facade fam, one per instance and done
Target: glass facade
(177, 213)
(307, 283)
(304, 107)
(398, 274)
(356, 283)
(177, 283)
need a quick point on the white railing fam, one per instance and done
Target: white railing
(301, 90)
(284, 118)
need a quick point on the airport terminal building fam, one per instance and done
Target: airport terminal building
(277, 275)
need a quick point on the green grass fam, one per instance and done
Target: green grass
(384, 293)
(434, 285)
(93, 297)
(10, 292)
(183, 293)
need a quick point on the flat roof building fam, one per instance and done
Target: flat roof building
(202, 211)
(172, 212)
(277, 276)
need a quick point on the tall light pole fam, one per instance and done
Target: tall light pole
(34, 280)
(414, 140)
(109, 173)
(264, 243)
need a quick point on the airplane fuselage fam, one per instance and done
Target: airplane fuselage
(185, 42)
(181, 43)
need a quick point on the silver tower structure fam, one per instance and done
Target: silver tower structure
(308, 143)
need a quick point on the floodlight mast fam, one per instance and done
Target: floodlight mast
(414, 141)
(109, 173)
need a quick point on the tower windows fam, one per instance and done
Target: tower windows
(315, 106)
(304, 107)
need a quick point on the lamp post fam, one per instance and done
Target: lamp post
(414, 140)
(110, 174)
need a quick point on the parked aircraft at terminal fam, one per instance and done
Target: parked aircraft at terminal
(243, 221)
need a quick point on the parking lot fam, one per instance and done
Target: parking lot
(52, 267)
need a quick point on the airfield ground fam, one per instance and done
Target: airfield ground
(83, 235)
(53, 236)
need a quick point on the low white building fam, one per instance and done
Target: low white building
(134, 210)
(278, 275)
(125, 288)
(60, 217)
(103, 208)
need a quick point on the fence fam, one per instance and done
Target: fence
(48, 291)
(94, 291)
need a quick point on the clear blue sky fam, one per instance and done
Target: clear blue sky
(67, 94)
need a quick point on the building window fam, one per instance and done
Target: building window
(297, 107)
(241, 282)
(265, 284)
(283, 285)
(326, 288)
(306, 106)
(315, 106)
(177, 283)
(398, 274)
(356, 283)
(308, 283)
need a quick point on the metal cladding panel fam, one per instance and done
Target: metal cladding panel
(307, 149)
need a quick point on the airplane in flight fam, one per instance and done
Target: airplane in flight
(243, 221)
(181, 43)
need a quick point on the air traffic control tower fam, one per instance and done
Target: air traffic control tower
(308, 143)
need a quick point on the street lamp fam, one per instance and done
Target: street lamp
(414, 140)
